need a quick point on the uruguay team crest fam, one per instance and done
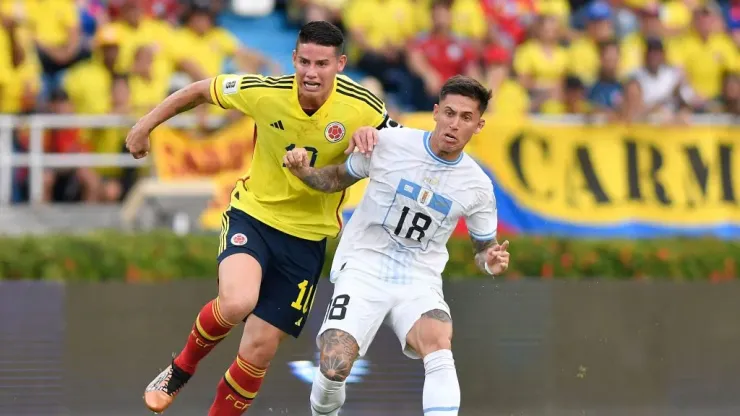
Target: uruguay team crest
(425, 197)
(334, 132)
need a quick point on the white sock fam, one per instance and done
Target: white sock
(441, 388)
(327, 396)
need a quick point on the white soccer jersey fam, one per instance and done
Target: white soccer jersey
(410, 208)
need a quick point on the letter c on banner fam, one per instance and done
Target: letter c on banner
(516, 155)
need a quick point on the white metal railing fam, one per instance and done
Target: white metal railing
(37, 160)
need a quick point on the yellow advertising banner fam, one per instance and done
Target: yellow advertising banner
(610, 180)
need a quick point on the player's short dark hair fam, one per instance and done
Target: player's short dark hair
(467, 87)
(322, 33)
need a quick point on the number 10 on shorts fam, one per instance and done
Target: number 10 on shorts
(303, 302)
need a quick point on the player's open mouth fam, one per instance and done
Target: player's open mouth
(450, 138)
(311, 86)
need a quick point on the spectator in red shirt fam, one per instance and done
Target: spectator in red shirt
(70, 184)
(496, 59)
(512, 17)
(439, 55)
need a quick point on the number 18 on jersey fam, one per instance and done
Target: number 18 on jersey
(415, 215)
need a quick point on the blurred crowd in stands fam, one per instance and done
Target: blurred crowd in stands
(627, 60)
(106, 57)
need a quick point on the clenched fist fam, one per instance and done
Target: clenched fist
(137, 141)
(297, 161)
(497, 258)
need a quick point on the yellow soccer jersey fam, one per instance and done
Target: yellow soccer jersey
(269, 192)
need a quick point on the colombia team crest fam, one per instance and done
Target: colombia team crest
(334, 131)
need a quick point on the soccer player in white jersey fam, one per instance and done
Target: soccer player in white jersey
(388, 266)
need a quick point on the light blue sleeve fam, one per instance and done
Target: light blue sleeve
(358, 165)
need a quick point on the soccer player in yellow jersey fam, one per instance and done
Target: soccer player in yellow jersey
(271, 249)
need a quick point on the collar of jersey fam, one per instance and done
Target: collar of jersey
(297, 104)
(427, 136)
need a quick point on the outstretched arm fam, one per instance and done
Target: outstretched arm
(329, 179)
(183, 100)
(193, 95)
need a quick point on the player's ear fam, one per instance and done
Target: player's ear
(435, 111)
(481, 123)
(295, 55)
(341, 62)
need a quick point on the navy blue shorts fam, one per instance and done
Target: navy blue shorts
(291, 268)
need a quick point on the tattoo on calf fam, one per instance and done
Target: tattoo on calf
(439, 315)
(338, 352)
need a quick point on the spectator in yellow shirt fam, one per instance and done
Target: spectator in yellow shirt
(11, 57)
(143, 95)
(708, 53)
(633, 45)
(20, 80)
(583, 53)
(169, 54)
(379, 31)
(541, 63)
(676, 15)
(210, 46)
(56, 30)
(509, 97)
(94, 87)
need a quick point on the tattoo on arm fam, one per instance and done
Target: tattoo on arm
(438, 314)
(481, 246)
(339, 351)
(329, 179)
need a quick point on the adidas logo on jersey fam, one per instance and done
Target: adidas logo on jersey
(278, 125)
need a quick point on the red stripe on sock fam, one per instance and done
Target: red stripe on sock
(237, 389)
(198, 345)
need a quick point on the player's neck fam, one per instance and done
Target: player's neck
(436, 149)
(311, 104)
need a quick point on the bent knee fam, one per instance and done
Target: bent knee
(235, 306)
(240, 276)
(339, 350)
(433, 344)
(433, 332)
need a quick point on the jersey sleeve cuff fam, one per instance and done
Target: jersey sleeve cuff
(483, 237)
(214, 93)
(350, 170)
(383, 123)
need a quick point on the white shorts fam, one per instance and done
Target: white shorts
(361, 303)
